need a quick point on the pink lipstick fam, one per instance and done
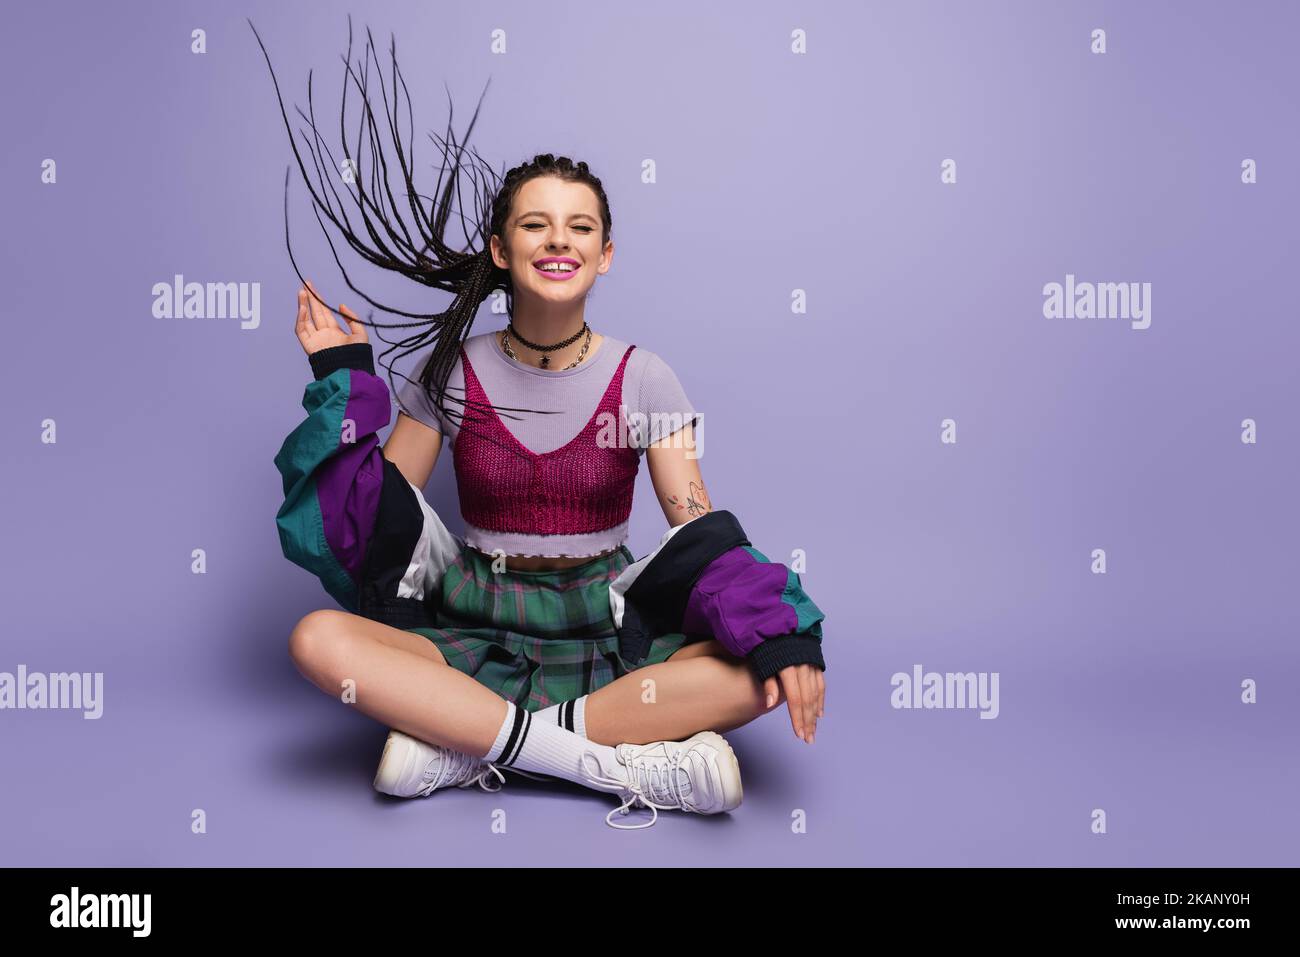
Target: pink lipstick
(558, 272)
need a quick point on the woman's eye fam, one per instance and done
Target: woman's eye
(588, 229)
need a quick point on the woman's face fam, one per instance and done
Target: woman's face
(557, 222)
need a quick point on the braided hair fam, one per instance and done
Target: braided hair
(419, 251)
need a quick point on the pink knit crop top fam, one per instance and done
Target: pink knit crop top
(580, 488)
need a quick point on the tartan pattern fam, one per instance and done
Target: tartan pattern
(535, 638)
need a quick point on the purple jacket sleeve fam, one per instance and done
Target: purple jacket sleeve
(349, 516)
(757, 609)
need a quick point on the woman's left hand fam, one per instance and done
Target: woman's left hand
(805, 697)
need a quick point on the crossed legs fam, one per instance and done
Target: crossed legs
(401, 680)
(700, 687)
(398, 678)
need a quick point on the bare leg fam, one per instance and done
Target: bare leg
(401, 680)
(701, 687)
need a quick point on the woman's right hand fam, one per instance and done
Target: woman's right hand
(317, 328)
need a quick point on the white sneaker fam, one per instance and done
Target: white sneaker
(414, 768)
(700, 775)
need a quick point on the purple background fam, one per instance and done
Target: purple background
(775, 172)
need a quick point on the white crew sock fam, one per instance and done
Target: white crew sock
(539, 746)
(570, 715)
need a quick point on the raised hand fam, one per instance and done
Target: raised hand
(317, 328)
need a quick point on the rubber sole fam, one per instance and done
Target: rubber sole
(733, 790)
(394, 766)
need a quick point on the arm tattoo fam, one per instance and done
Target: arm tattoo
(697, 502)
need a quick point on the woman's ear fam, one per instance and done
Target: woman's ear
(500, 255)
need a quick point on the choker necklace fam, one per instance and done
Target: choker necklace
(546, 359)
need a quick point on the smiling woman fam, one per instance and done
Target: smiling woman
(556, 268)
(501, 648)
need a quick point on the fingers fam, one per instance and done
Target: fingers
(805, 697)
(808, 688)
(354, 324)
(321, 317)
(794, 700)
(302, 326)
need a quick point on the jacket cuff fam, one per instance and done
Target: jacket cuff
(353, 355)
(775, 654)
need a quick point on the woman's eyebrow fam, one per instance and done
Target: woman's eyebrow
(538, 212)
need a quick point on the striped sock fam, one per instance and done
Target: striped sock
(570, 715)
(546, 748)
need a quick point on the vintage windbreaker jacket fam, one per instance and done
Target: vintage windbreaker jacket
(353, 520)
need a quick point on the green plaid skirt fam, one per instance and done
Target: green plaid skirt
(536, 638)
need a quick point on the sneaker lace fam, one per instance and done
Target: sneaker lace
(484, 776)
(464, 770)
(647, 785)
(454, 767)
